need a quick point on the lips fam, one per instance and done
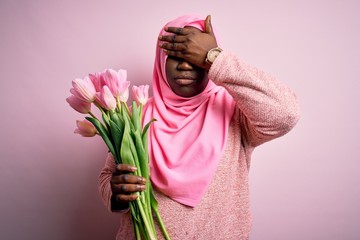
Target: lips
(184, 80)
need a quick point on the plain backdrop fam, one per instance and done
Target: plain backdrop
(304, 185)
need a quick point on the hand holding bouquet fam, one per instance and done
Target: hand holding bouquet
(123, 132)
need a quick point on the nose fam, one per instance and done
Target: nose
(184, 65)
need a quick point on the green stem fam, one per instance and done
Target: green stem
(126, 108)
(154, 206)
(137, 230)
(118, 103)
(144, 216)
(161, 224)
(148, 203)
(141, 110)
(99, 107)
(102, 112)
(91, 114)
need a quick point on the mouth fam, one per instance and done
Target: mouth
(184, 80)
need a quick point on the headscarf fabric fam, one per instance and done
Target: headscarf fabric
(188, 138)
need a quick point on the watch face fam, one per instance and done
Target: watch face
(212, 54)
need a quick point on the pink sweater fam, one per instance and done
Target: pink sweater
(266, 109)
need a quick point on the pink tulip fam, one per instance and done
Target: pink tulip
(79, 105)
(106, 99)
(116, 81)
(96, 79)
(125, 96)
(141, 94)
(83, 89)
(85, 128)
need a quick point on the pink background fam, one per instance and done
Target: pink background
(303, 186)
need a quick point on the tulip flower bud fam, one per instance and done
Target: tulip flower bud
(124, 96)
(79, 105)
(97, 80)
(141, 94)
(83, 89)
(116, 81)
(85, 128)
(106, 99)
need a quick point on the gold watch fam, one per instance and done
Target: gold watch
(212, 55)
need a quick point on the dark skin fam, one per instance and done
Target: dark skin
(189, 43)
(123, 184)
(185, 79)
(186, 72)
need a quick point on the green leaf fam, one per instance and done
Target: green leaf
(142, 154)
(144, 135)
(103, 133)
(117, 135)
(128, 146)
(125, 150)
(135, 117)
(154, 203)
(146, 128)
(116, 117)
(105, 118)
(135, 154)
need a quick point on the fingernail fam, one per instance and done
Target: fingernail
(141, 179)
(132, 168)
(140, 187)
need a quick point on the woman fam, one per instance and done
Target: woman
(212, 110)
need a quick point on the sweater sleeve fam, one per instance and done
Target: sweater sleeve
(268, 109)
(104, 181)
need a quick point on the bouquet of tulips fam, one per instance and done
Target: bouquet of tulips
(123, 132)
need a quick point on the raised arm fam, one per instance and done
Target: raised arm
(268, 108)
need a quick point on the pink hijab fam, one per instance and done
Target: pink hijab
(188, 138)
